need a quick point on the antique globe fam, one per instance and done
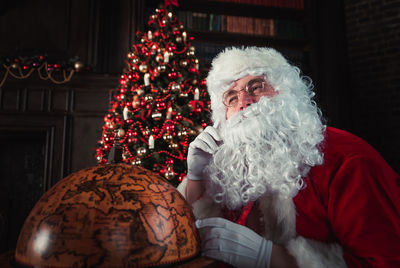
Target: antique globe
(113, 215)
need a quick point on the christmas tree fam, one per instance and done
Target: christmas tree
(161, 104)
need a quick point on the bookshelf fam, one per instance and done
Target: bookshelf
(216, 24)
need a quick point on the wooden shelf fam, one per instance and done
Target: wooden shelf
(245, 39)
(236, 9)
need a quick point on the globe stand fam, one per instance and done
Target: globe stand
(115, 155)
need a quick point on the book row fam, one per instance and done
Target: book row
(206, 51)
(296, 4)
(196, 21)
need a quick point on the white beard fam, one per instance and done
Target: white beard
(268, 147)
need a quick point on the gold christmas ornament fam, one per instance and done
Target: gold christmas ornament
(121, 133)
(109, 124)
(182, 134)
(161, 68)
(136, 162)
(190, 53)
(192, 48)
(183, 95)
(192, 132)
(169, 175)
(135, 102)
(173, 146)
(159, 58)
(141, 151)
(143, 68)
(148, 98)
(199, 129)
(183, 63)
(175, 87)
(178, 39)
(79, 66)
(167, 137)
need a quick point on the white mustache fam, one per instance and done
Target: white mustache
(251, 111)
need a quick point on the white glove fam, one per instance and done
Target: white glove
(233, 243)
(200, 152)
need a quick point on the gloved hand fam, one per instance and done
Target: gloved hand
(200, 152)
(233, 243)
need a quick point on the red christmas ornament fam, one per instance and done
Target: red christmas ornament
(171, 47)
(172, 75)
(161, 106)
(134, 77)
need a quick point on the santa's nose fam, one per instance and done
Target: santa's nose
(245, 100)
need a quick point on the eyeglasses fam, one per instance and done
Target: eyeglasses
(254, 88)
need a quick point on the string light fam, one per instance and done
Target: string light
(45, 70)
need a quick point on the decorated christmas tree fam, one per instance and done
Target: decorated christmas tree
(161, 103)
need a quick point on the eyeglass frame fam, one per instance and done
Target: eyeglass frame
(246, 89)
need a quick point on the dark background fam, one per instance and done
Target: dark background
(48, 131)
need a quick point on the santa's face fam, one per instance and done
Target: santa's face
(244, 92)
(270, 141)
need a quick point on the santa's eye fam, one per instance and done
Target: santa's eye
(232, 100)
(256, 88)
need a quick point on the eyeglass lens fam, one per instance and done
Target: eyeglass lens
(254, 87)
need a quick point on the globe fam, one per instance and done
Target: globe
(113, 215)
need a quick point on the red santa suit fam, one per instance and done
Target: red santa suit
(347, 215)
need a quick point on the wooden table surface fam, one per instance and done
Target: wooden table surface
(7, 261)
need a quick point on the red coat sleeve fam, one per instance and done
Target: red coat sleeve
(352, 199)
(363, 208)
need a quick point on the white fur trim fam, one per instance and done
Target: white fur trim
(314, 254)
(279, 215)
(234, 63)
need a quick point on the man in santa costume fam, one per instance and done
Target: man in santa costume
(272, 186)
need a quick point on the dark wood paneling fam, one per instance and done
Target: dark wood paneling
(87, 130)
(36, 26)
(99, 32)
